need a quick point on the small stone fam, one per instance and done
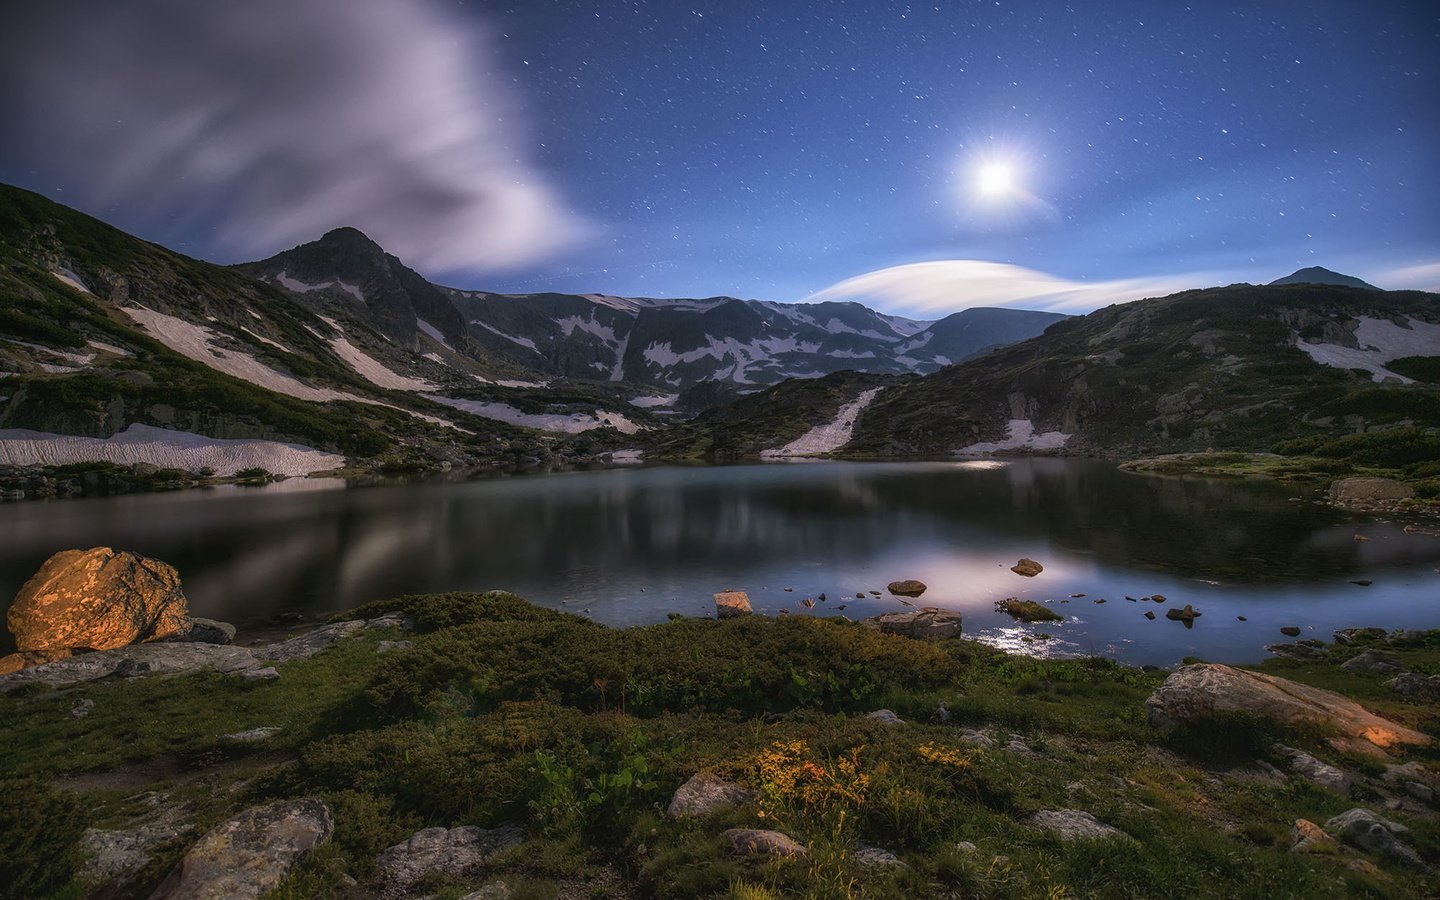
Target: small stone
(976, 738)
(762, 842)
(966, 847)
(82, 708)
(1241, 619)
(1311, 838)
(1149, 614)
(268, 673)
(885, 717)
(1027, 567)
(869, 856)
(1157, 598)
(250, 736)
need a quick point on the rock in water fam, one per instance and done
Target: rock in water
(731, 604)
(1350, 491)
(1027, 567)
(929, 623)
(706, 794)
(98, 599)
(1197, 691)
(907, 588)
(1290, 630)
(249, 855)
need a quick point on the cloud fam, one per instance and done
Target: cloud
(949, 285)
(1418, 277)
(273, 121)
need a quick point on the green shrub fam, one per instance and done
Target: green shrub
(40, 830)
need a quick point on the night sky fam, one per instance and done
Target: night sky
(755, 149)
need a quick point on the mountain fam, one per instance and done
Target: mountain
(100, 331)
(1241, 367)
(1320, 275)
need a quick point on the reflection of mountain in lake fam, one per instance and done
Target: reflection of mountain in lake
(682, 532)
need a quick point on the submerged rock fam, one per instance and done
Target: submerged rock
(732, 604)
(1200, 690)
(705, 794)
(761, 842)
(1290, 630)
(929, 623)
(250, 854)
(907, 588)
(98, 599)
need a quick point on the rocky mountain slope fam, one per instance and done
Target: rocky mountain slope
(1242, 367)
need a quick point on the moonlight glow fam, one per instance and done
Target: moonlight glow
(995, 179)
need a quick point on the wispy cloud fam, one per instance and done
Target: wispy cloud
(1417, 277)
(950, 285)
(276, 120)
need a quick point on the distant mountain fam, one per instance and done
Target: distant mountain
(1320, 275)
(1242, 367)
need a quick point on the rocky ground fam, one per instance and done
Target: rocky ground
(467, 745)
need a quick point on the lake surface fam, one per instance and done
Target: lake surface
(633, 545)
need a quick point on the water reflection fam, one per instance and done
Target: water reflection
(633, 545)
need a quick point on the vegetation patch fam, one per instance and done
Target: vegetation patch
(1027, 610)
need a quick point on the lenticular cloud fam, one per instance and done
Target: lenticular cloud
(275, 121)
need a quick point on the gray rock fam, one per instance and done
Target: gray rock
(907, 588)
(388, 646)
(250, 736)
(1375, 662)
(761, 842)
(446, 851)
(82, 708)
(1017, 746)
(1420, 791)
(1076, 825)
(208, 631)
(1363, 829)
(929, 623)
(268, 673)
(966, 847)
(310, 643)
(1416, 687)
(1360, 491)
(885, 717)
(154, 659)
(495, 890)
(976, 738)
(705, 794)
(1405, 638)
(1311, 838)
(250, 854)
(1312, 769)
(868, 856)
(391, 620)
(1346, 636)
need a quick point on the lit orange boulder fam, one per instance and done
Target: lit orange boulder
(1197, 691)
(97, 599)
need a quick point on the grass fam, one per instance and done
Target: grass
(502, 712)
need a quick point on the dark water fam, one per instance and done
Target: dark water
(630, 546)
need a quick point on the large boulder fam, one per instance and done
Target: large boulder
(250, 854)
(930, 623)
(98, 599)
(1363, 829)
(706, 794)
(1416, 687)
(732, 604)
(1198, 691)
(907, 588)
(1027, 567)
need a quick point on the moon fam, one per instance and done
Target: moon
(995, 179)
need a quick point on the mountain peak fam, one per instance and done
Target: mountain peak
(348, 237)
(1321, 275)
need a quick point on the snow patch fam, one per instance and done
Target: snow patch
(650, 402)
(1020, 435)
(522, 341)
(433, 332)
(1380, 340)
(627, 457)
(828, 437)
(70, 278)
(109, 348)
(164, 448)
(567, 423)
(435, 357)
(851, 354)
(374, 371)
(299, 287)
(351, 289)
(264, 340)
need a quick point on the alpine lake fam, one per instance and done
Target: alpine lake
(635, 545)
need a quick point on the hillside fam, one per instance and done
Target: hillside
(1322, 275)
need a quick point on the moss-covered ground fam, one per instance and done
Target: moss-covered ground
(503, 712)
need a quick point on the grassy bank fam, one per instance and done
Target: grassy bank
(502, 712)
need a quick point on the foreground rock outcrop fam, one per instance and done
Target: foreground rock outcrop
(250, 854)
(929, 623)
(446, 851)
(706, 794)
(1198, 691)
(98, 599)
